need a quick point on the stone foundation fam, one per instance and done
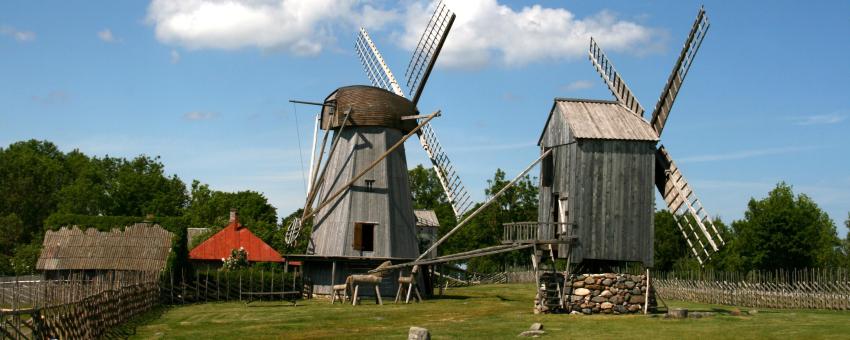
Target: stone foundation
(608, 293)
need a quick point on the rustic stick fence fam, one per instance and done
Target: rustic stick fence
(94, 305)
(808, 288)
(72, 308)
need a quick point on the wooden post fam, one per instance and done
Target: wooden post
(646, 299)
(333, 274)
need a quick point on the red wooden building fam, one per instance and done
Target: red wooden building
(234, 236)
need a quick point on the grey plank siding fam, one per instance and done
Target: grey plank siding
(387, 203)
(319, 275)
(603, 160)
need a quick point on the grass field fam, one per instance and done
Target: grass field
(482, 312)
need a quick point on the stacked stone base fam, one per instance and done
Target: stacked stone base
(608, 293)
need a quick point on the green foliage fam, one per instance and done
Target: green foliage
(31, 175)
(428, 194)
(519, 203)
(670, 246)
(26, 256)
(11, 231)
(785, 231)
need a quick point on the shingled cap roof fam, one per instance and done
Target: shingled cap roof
(235, 236)
(603, 119)
(139, 247)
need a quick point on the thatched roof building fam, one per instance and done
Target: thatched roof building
(141, 247)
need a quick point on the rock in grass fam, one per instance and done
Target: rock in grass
(753, 312)
(536, 327)
(735, 312)
(418, 333)
(678, 313)
(532, 334)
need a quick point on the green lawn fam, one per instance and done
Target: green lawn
(489, 311)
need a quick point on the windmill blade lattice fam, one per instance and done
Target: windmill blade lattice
(373, 63)
(616, 84)
(427, 50)
(680, 70)
(692, 219)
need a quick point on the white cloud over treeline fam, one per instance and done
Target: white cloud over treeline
(484, 32)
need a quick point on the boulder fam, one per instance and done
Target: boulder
(536, 327)
(418, 333)
(678, 313)
(581, 292)
(606, 294)
(598, 299)
(630, 284)
(578, 284)
(589, 281)
(532, 334)
(607, 282)
(636, 291)
(620, 309)
(616, 299)
(753, 312)
(576, 298)
(634, 308)
(636, 299)
(607, 305)
(586, 310)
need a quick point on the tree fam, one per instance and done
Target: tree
(428, 194)
(785, 231)
(845, 244)
(31, 175)
(211, 209)
(517, 204)
(670, 246)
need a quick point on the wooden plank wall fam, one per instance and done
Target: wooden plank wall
(610, 185)
(388, 204)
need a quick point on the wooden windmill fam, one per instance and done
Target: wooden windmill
(604, 162)
(364, 205)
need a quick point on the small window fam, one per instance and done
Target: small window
(364, 236)
(369, 184)
(547, 171)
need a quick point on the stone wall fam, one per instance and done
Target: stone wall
(608, 293)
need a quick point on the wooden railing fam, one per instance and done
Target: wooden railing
(529, 232)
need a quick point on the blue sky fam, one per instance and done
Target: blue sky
(205, 85)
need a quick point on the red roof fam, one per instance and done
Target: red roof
(234, 236)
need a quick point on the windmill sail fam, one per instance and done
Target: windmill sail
(680, 70)
(419, 68)
(426, 52)
(616, 84)
(373, 63)
(692, 219)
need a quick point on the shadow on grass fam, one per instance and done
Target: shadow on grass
(126, 329)
(450, 297)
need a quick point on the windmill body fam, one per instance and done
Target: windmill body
(364, 210)
(374, 217)
(605, 161)
(599, 178)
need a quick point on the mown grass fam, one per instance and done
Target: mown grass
(481, 312)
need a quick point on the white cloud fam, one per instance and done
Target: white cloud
(825, 119)
(745, 154)
(579, 85)
(486, 30)
(198, 115)
(175, 57)
(16, 34)
(106, 36)
(302, 27)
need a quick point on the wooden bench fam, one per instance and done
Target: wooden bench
(291, 296)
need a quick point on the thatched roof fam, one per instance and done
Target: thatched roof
(140, 247)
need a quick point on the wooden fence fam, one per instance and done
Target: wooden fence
(85, 308)
(215, 285)
(94, 313)
(809, 288)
